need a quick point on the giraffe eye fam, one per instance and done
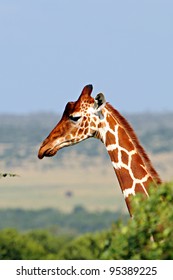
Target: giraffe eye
(74, 118)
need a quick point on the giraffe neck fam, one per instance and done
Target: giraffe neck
(131, 164)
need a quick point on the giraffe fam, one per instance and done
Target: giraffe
(89, 117)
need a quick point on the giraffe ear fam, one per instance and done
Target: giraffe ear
(99, 102)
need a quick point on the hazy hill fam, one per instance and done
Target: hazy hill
(23, 132)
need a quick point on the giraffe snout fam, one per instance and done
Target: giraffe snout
(41, 153)
(46, 150)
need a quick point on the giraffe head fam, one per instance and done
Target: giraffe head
(79, 121)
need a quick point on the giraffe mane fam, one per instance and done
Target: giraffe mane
(129, 130)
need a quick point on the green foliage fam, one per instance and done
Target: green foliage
(14, 246)
(35, 245)
(86, 247)
(149, 235)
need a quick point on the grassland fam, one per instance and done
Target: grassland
(62, 188)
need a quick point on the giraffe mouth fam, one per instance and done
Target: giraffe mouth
(50, 152)
(47, 151)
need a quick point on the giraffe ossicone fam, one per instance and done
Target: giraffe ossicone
(89, 117)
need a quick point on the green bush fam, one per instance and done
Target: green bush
(35, 245)
(14, 246)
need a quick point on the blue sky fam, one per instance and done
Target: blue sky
(50, 49)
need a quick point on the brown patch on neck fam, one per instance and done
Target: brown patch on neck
(124, 178)
(114, 155)
(124, 157)
(137, 167)
(110, 138)
(124, 140)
